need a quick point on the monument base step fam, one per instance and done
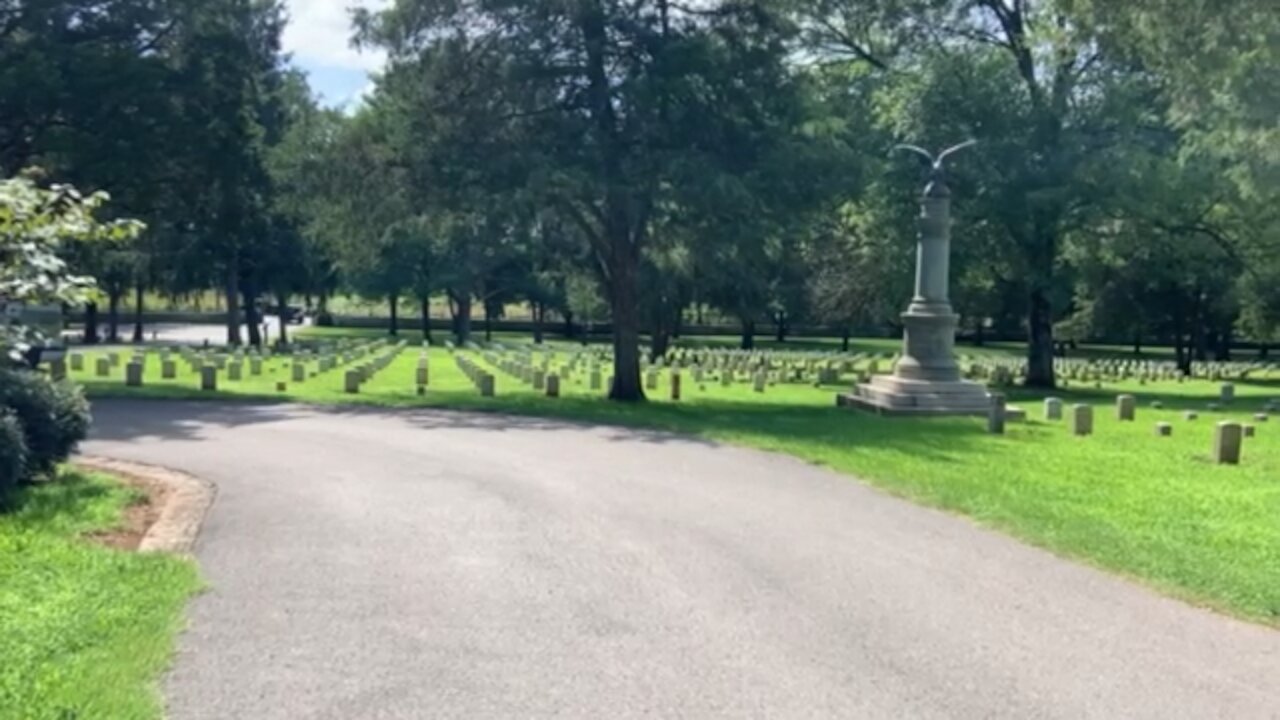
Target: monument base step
(888, 395)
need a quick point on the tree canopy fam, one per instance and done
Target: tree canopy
(648, 165)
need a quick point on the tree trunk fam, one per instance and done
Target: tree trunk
(113, 315)
(91, 324)
(536, 310)
(980, 334)
(393, 322)
(138, 335)
(1223, 352)
(488, 323)
(677, 327)
(626, 326)
(426, 319)
(282, 308)
(569, 330)
(623, 227)
(252, 320)
(1180, 354)
(233, 304)
(844, 340)
(323, 318)
(1263, 351)
(660, 343)
(1137, 345)
(748, 334)
(1040, 341)
(780, 320)
(462, 320)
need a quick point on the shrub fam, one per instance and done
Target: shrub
(73, 416)
(54, 417)
(13, 455)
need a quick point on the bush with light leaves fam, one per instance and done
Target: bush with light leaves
(37, 224)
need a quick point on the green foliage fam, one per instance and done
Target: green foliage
(54, 417)
(84, 631)
(36, 225)
(13, 455)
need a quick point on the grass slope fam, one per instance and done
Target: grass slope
(84, 630)
(1151, 508)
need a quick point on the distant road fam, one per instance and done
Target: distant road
(420, 564)
(193, 334)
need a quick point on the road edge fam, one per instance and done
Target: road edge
(180, 520)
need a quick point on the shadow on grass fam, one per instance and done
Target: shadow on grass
(60, 502)
(141, 417)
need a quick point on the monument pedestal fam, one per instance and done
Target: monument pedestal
(926, 381)
(891, 395)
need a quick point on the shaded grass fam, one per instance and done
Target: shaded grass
(1123, 499)
(84, 630)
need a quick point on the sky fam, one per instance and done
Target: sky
(319, 39)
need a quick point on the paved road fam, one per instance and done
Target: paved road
(192, 334)
(433, 565)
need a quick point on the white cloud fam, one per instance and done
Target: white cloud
(319, 34)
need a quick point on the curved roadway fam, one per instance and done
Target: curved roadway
(371, 564)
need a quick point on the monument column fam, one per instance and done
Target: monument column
(930, 324)
(927, 379)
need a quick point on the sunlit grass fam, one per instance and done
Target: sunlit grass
(84, 631)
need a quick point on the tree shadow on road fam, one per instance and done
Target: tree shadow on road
(706, 422)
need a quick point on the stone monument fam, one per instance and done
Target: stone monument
(927, 380)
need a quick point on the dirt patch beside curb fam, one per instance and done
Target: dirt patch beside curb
(169, 521)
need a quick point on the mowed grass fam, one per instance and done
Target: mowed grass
(1152, 508)
(85, 631)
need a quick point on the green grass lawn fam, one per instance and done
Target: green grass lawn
(85, 631)
(1147, 507)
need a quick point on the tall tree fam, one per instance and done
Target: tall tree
(601, 108)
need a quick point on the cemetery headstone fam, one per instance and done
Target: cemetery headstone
(1164, 429)
(995, 415)
(1053, 408)
(77, 362)
(1227, 437)
(553, 386)
(1125, 407)
(133, 374)
(1081, 420)
(208, 378)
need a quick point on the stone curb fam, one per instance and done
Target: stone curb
(180, 519)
